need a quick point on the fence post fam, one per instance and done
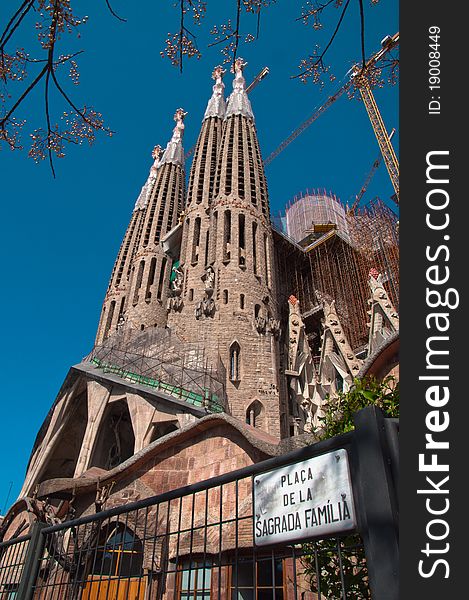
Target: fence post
(377, 503)
(32, 562)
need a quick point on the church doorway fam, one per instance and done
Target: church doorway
(117, 571)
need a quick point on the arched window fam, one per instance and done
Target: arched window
(254, 247)
(207, 248)
(121, 309)
(194, 581)
(162, 278)
(119, 554)
(267, 261)
(151, 279)
(225, 296)
(196, 242)
(235, 362)
(227, 236)
(115, 440)
(241, 301)
(138, 283)
(255, 414)
(109, 318)
(242, 241)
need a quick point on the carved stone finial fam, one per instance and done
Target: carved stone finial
(179, 117)
(238, 103)
(217, 73)
(174, 152)
(239, 65)
(145, 192)
(157, 152)
(216, 106)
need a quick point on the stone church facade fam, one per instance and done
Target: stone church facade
(202, 363)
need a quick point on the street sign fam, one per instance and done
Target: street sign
(309, 499)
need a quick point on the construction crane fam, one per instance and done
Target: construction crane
(360, 79)
(308, 122)
(368, 179)
(257, 79)
(362, 82)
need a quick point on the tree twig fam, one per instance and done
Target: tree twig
(114, 14)
(319, 60)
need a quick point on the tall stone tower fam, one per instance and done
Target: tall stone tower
(137, 293)
(229, 298)
(196, 255)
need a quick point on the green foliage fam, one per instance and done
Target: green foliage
(364, 392)
(325, 560)
(325, 571)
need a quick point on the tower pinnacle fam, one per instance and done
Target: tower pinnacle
(216, 106)
(145, 192)
(174, 152)
(238, 102)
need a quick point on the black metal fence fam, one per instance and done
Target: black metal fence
(197, 542)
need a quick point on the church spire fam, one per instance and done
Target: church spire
(216, 106)
(174, 152)
(137, 291)
(196, 232)
(238, 102)
(114, 304)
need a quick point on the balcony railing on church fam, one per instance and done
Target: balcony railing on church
(159, 359)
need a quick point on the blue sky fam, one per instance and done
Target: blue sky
(60, 236)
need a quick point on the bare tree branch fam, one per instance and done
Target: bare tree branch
(318, 62)
(113, 13)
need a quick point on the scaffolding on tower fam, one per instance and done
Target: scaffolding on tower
(335, 253)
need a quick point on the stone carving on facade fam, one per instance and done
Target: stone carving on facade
(102, 495)
(121, 322)
(384, 319)
(306, 399)
(338, 363)
(206, 306)
(175, 301)
(177, 283)
(209, 280)
(273, 326)
(260, 324)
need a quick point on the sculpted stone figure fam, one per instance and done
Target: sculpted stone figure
(209, 279)
(178, 131)
(176, 285)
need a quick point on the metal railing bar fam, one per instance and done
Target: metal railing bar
(18, 540)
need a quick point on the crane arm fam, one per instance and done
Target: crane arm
(365, 185)
(360, 78)
(387, 44)
(307, 123)
(257, 79)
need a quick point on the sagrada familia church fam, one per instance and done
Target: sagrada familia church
(223, 331)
